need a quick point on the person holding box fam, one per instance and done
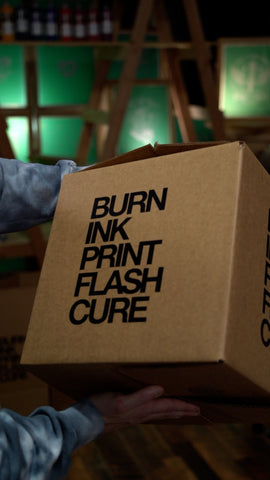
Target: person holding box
(40, 446)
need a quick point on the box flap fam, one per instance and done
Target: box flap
(166, 149)
(147, 151)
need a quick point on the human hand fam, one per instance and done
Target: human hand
(144, 405)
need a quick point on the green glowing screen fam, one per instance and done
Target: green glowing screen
(245, 80)
(12, 78)
(146, 119)
(60, 137)
(65, 75)
(18, 136)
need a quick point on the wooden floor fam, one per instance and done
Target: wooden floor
(214, 452)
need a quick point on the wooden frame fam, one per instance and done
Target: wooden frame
(110, 133)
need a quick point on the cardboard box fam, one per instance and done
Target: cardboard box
(158, 271)
(19, 390)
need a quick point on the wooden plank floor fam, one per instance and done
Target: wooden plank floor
(172, 452)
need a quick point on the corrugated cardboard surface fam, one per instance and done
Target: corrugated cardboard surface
(191, 294)
(244, 347)
(196, 262)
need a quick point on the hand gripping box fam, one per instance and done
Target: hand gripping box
(158, 271)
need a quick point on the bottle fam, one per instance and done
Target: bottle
(50, 22)
(79, 31)
(106, 27)
(93, 33)
(65, 23)
(36, 23)
(21, 23)
(7, 22)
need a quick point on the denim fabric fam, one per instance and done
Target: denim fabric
(39, 446)
(29, 192)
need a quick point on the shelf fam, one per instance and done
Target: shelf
(85, 43)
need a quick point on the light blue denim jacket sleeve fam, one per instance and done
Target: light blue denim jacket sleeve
(29, 192)
(39, 446)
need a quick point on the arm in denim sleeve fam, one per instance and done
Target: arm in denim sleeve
(40, 447)
(29, 192)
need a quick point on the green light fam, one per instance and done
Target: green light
(146, 119)
(18, 136)
(65, 75)
(60, 137)
(12, 79)
(245, 80)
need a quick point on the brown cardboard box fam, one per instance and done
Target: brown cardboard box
(158, 271)
(19, 390)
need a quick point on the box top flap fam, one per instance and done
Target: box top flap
(149, 151)
(167, 149)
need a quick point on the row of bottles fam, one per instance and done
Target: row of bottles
(66, 23)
